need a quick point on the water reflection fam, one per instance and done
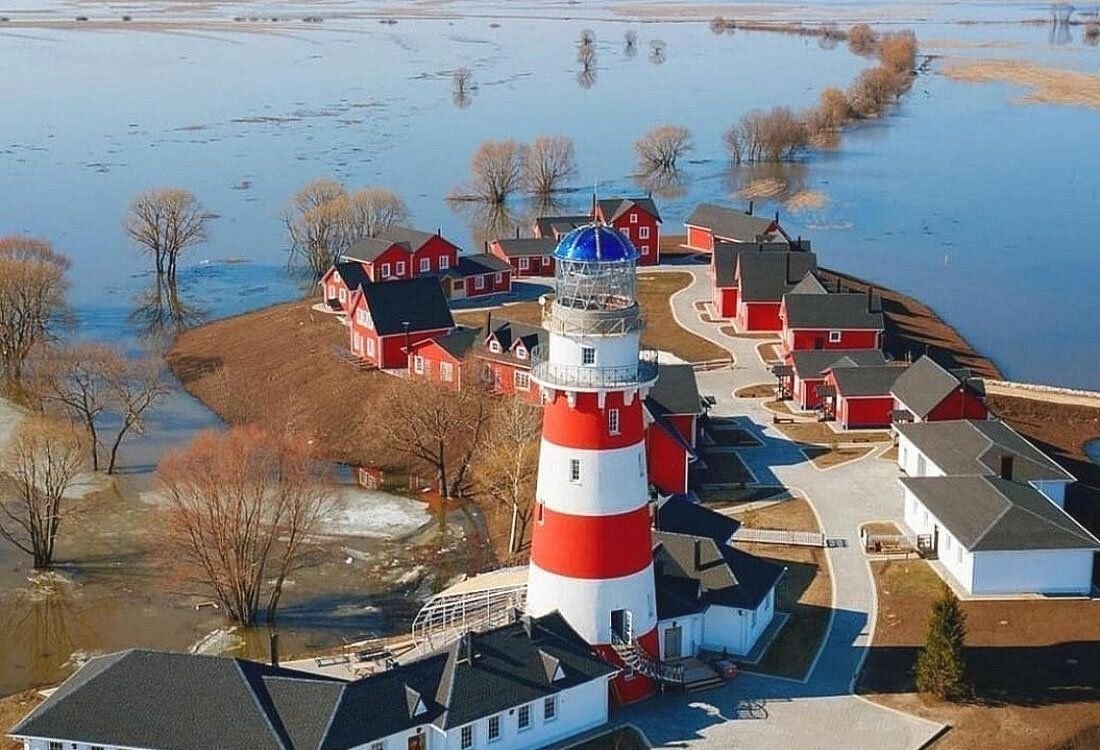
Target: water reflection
(767, 181)
(162, 313)
(39, 630)
(667, 182)
(487, 221)
(657, 52)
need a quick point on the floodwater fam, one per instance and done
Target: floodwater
(981, 206)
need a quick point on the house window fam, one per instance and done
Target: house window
(356, 342)
(494, 346)
(523, 264)
(57, 746)
(370, 347)
(378, 746)
(633, 218)
(523, 718)
(343, 295)
(494, 728)
(467, 737)
(643, 233)
(545, 261)
(446, 371)
(444, 262)
(479, 282)
(834, 337)
(613, 421)
(521, 352)
(575, 470)
(645, 249)
(522, 381)
(425, 265)
(550, 708)
(588, 355)
(922, 466)
(959, 554)
(385, 270)
(947, 542)
(498, 278)
(418, 364)
(400, 268)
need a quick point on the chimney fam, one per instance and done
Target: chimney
(787, 277)
(870, 299)
(517, 231)
(273, 647)
(698, 554)
(838, 285)
(750, 207)
(439, 231)
(1006, 466)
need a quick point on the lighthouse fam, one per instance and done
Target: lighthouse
(591, 549)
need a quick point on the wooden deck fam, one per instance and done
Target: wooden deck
(698, 675)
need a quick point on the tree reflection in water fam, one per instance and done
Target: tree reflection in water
(666, 182)
(162, 313)
(41, 627)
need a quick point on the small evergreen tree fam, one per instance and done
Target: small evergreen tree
(941, 669)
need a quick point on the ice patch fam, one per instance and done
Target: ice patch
(217, 642)
(378, 515)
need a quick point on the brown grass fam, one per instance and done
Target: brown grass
(1045, 85)
(821, 434)
(1033, 664)
(12, 709)
(760, 390)
(769, 352)
(826, 458)
(789, 515)
(881, 528)
(889, 455)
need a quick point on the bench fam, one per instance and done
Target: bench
(776, 419)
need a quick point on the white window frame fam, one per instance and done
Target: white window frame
(521, 380)
(574, 471)
(588, 356)
(446, 371)
(550, 708)
(498, 278)
(643, 233)
(522, 723)
(633, 218)
(418, 364)
(425, 265)
(523, 264)
(343, 296)
(370, 347)
(385, 270)
(644, 249)
(835, 336)
(466, 737)
(378, 745)
(479, 282)
(521, 352)
(494, 346)
(444, 262)
(494, 737)
(613, 426)
(399, 268)
(546, 261)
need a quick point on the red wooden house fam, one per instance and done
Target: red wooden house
(831, 321)
(803, 371)
(859, 397)
(556, 227)
(763, 278)
(442, 359)
(402, 253)
(507, 352)
(638, 219)
(709, 224)
(340, 281)
(723, 272)
(477, 276)
(672, 407)
(929, 392)
(528, 256)
(386, 319)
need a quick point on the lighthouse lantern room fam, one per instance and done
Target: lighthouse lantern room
(592, 551)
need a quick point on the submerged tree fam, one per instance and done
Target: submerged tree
(42, 463)
(658, 51)
(462, 87)
(496, 173)
(941, 668)
(33, 288)
(164, 223)
(630, 43)
(241, 507)
(549, 163)
(661, 147)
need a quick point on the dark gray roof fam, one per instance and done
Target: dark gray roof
(865, 381)
(833, 311)
(976, 446)
(812, 363)
(724, 258)
(613, 208)
(369, 248)
(410, 239)
(767, 276)
(166, 701)
(351, 273)
(676, 390)
(990, 514)
(547, 226)
(508, 332)
(694, 572)
(681, 515)
(526, 246)
(809, 284)
(418, 301)
(459, 342)
(925, 384)
(732, 224)
(476, 265)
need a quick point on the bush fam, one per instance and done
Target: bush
(834, 107)
(862, 39)
(872, 90)
(898, 52)
(941, 669)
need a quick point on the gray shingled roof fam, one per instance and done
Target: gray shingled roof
(481, 263)
(865, 381)
(507, 332)
(526, 246)
(680, 515)
(411, 239)
(976, 447)
(547, 225)
(732, 224)
(613, 208)
(459, 342)
(725, 254)
(808, 285)
(832, 311)
(812, 363)
(925, 384)
(676, 390)
(988, 514)
(767, 276)
(369, 248)
(418, 301)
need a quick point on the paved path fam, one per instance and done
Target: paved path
(820, 712)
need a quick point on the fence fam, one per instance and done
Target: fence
(780, 536)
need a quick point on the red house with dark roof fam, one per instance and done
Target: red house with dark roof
(820, 320)
(859, 397)
(527, 256)
(929, 392)
(672, 409)
(340, 281)
(385, 319)
(803, 371)
(709, 224)
(639, 220)
(763, 278)
(441, 360)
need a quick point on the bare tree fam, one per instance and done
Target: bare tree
(134, 387)
(240, 509)
(873, 90)
(658, 51)
(549, 164)
(371, 211)
(42, 463)
(661, 147)
(508, 464)
(162, 313)
(32, 301)
(898, 52)
(496, 172)
(588, 38)
(316, 223)
(586, 74)
(164, 222)
(834, 107)
(630, 42)
(462, 87)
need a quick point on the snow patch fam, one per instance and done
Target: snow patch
(379, 515)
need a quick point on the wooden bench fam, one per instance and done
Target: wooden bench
(776, 419)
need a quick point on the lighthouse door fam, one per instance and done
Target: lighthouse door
(622, 625)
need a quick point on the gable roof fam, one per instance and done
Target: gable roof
(976, 446)
(612, 208)
(549, 226)
(835, 311)
(418, 301)
(676, 390)
(410, 239)
(526, 246)
(988, 513)
(767, 276)
(351, 273)
(810, 284)
(725, 254)
(925, 384)
(732, 224)
(369, 249)
(812, 363)
(508, 332)
(865, 381)
(680, 515)
(476, 265)
(458, 343)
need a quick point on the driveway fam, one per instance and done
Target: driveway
(767, 713)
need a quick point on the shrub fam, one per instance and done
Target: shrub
(862, 39)
(898, 52)
(872, 90)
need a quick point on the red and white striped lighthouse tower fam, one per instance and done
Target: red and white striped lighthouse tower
(591, 550)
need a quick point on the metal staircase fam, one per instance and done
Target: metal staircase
(636, 657)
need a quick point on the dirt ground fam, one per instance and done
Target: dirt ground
(12, 709)
(826, 458)
(760, 390)
(1032, 662)
(820, 433)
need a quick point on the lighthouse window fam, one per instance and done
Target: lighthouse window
(588, 355)
(539, 512)
(613, 421)
(575, 470)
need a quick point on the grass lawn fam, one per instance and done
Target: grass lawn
(769, 352)
(821, 434)
(1032, 662)
(661, 332)
(760, 390)
(826, 458)
(791, 515)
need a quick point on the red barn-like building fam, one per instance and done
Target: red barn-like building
(859, 397)
(830, 321)
(763, 278)
(402, 253)
(709, 224)
(639, 220)
(672, 410)
(442, 359)
(340, 282)
(803, 371)
(386, 319)
(928, 392)
(528, 256)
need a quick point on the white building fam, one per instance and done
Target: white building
(524, 685)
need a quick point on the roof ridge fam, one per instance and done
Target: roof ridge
(259, 706)
(1088, 536)
(332, 716)
(1008, 506)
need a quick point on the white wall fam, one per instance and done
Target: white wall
(613, 480)
(1055, 490)
(958, 561)
(1033, 571)
(434, 738)
(691, 634)
(586, 604)
(611, 351)
(736, 630)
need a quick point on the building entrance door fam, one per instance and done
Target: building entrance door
(621, 625)
(673, 641)
(416, 742)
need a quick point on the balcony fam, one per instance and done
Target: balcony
(583, 377)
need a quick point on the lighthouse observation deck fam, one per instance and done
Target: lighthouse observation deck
(564, 376)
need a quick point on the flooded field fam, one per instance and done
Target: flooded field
(971, 198)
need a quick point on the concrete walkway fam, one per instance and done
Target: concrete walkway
(765, 712)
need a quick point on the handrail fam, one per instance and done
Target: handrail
(591, 376)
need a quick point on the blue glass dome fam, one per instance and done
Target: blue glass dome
(595, 243)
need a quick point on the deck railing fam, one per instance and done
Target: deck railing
(556, 374)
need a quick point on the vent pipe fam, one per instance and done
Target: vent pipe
(273, 648)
